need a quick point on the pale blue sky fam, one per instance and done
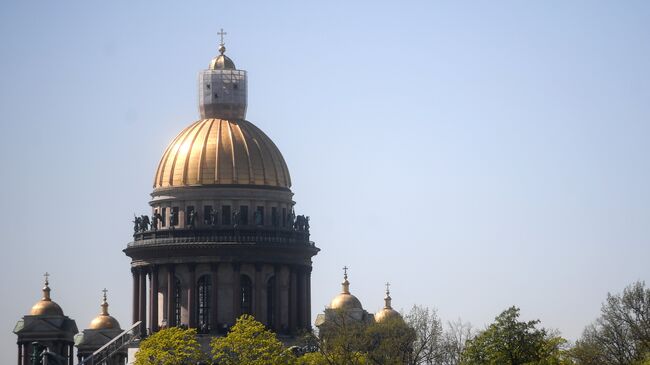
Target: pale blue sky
(475, 154)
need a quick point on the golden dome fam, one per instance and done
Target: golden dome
(221, 62)
(387, 313)
(104, 321)
(46, 307)
(217, 152)
(345, 300)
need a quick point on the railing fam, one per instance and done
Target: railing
(260, 235)
(113, 346)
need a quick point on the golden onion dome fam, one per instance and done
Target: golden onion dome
(387, 313)
(345, 300)
(46, 307)
(221, 152)
(222, 62)
(104, 321)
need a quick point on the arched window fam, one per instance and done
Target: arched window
(204, 287)
(177, 302)
(246, 295)
(270, 302)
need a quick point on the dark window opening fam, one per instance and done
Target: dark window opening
(203, 301)
(164, 217)
(188, 216)
(259, 216)
(270, 301)
(225, 215)
(207, 214)
(284, 217)
(215, 95)
(207, 86)
(177, 302)
(235, 86)
(174, 216)
(246, 296)
(243, 214)
(274, 216)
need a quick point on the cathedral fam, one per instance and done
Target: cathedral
(222, 239)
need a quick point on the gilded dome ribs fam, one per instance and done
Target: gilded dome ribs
(251, 177)
(234, 177)
(242, 154)
(190, 153)
(176, 175)
(202, 151)
(160, 175)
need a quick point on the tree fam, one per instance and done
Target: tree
(454, 341)
(342, 341)
(621, 336)
(508, 341)
(249, 342)
(170, 346)
(390, 342)
(428, 343)
(433, 345)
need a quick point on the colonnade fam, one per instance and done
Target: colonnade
(65, 349)
(290, 296)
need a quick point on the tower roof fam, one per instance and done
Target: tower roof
(104, 320)
(345, 300)
(45, 306)
(387, 312)
(218, 152)
(222, 62)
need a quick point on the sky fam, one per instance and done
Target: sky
(476, 155)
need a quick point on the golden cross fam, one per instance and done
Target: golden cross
(221, 34)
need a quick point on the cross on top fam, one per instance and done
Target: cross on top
(221, 34)
(105, 291)
(387, 287)
(345, 272)
(46, 275)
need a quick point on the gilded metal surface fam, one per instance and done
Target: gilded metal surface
(222, 62)
(387, 312)
(345, 300)
(46, 307)
(217, 151)
(104, 321)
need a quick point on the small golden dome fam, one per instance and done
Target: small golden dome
(221, 152)
(222, 62)
(46, 307)
(387, 313)
(104, 321)
(345, 300)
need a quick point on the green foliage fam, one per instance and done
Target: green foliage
(508, 341)
(621, 336)
(389, 342)
(342, 340)
(249, 342)
(171, 346)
